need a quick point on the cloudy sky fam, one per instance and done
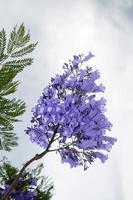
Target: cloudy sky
(63, 28)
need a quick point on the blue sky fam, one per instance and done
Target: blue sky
(63, 28)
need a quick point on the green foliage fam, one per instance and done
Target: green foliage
(12, 61)
(2, 42)
(7, 172)
(44, 187)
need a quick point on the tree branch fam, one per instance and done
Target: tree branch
(63, 147)
(36, 157)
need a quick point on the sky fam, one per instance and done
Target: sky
(64, 28)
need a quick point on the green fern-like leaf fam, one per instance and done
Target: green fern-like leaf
(7, 172)
(8, 140)
(45, 186)
(9, 88)
(24, 51)
(24, 40)
(2, 43)
(21, 31)
(6, 77)
(12, 41)
(11, 64)
(38, 169)
(17, 64)
(11, 109)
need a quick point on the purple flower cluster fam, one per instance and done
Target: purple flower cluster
(70, 114)
(24, 191)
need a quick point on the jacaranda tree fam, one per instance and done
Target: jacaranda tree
(69, 118)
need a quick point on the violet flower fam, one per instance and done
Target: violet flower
(70, 106)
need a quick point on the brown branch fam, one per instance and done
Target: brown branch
(36, 157)
(63, 147)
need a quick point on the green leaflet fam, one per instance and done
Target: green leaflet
(8, 140)
(8, 88)
(2, 43)
(24, 51)
(45, 186)
(17, 64)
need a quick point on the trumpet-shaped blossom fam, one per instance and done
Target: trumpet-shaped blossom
(71, 115)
